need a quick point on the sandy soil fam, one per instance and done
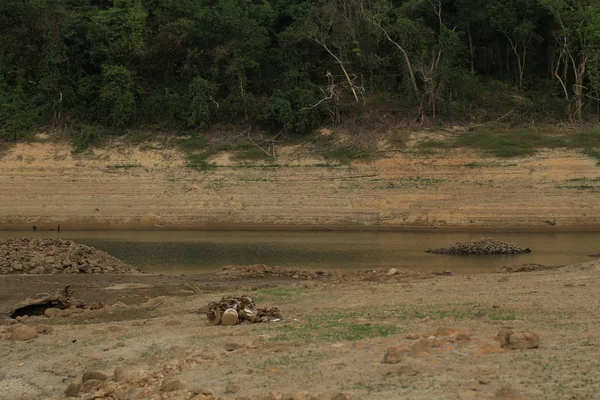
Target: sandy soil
(43, 184)
(332, 339)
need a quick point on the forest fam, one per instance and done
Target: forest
(291, 66)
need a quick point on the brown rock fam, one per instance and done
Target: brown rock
(448, 332)
(393, 355)
(52, 312)
(121, 374)
(208, 355)
(508, 393)
(22, 333)
(422, 347)
(90, 385)
(44, 329)
(294, 396)
(232, 388)
(523, 340)
(171, 386)
(206, 391)
(96, 375)
(340, 396)
(519, 340)
(232, 346)
(73, 390)
(263, 396)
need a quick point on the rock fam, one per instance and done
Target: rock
(294, 396)
(90, 385)
(121, 374)
(44, 329)
(523, 340)
(209, 355)
(73, 390)
(232, 346)
(392, 271)
(393, 355)
(206, 391)
(23, 333)
(229, 317)
(232, 388)
(340, 396)
(95, 375)
(171, 385)
(52, 312)
(508, 393)
(422, 347)
(448, 332)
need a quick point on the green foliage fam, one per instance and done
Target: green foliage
(18, 116)
(117, 95)
(84, 135)
(289, 65)
(199, 94)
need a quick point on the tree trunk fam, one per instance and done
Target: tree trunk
(471, 50)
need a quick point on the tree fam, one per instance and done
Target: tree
(577, 35)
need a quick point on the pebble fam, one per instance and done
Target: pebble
(232, 388)
(392, 271)
(393, 355)
(93, 375)
(232, 346)
(171, 386)
(89, 385)
(121, 374)
(206, 391)
(73, 390)
(23, 333)
(420, 348)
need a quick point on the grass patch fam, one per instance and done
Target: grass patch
(123, 166)
(193, 144)
(488, 165)
(250, 154)
(344, 154)
(584, 180)
(509, 144)
(434, 145)
(330, 326)
(199, 161)
(410, 183)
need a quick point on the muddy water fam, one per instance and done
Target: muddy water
(174, 252)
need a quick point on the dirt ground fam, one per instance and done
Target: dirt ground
(42, 183)
(331, 341)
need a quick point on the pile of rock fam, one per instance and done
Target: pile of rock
(480, 247)
(263, 271)
(233, 310)
(56, 256)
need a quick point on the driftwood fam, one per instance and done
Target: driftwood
(61, 299)
(238, 310)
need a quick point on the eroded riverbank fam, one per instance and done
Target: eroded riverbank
(44, 185)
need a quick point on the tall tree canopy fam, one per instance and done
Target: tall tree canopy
(287, 65)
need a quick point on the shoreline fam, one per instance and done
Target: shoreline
(593, 228)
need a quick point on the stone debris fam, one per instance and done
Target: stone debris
(527, 268)
(262, 271)
(480, 247)
(56, 256)
(518, 340)
(234, 310)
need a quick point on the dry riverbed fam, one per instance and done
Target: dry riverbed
(414, 336)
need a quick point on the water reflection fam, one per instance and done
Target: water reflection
(184, 251)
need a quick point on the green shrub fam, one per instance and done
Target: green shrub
(117, 94)
(18, 117)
